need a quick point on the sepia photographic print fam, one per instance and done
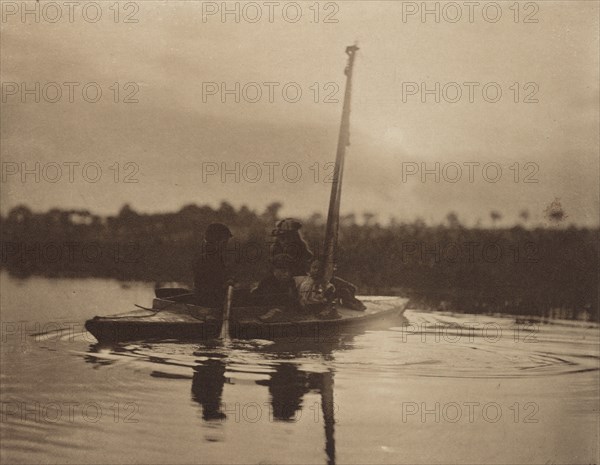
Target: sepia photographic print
(299, 232)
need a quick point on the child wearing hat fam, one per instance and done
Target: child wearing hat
(289, 241)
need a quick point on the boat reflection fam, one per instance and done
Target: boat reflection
(207, 388)
(295, 370)
(287, 386)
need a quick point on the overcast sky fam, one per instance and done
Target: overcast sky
(177, 131)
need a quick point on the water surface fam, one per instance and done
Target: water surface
(434, 388)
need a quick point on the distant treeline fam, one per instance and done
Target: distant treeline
(522, 271)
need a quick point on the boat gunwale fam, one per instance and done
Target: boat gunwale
(120, 328)
(360, 315)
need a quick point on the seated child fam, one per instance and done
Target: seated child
(313, 296)
(310, 292)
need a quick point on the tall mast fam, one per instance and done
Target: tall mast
(333, 215)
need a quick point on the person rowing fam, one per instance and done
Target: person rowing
(211, 276)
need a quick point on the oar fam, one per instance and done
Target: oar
(226, 313)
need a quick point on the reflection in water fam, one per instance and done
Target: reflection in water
(287, 386)
(292, 372)
(207, 388)
(429, 357)
(328, 408)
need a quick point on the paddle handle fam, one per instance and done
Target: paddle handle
(226, 313)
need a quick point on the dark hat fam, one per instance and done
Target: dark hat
(216, 232)
(286, 226)
(282, 261)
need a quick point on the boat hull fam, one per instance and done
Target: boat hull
(184, 322)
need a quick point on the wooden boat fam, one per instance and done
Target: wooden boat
(179, 321)
(172, 318)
